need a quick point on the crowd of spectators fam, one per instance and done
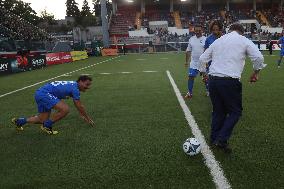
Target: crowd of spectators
(205, 17)
(275, 17)
(157, 15)
(162, 35)
(19, 28)
(188, 20)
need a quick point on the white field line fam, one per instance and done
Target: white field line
(216, 171)
(88, 74)
(3, 95)
(149, 71)
(105, 73)
(66, 75)
(125, 72)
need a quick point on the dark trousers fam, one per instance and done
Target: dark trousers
(226, 98)
(270, 51)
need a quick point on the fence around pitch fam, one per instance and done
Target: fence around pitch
(173, 46)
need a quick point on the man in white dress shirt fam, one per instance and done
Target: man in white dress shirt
(194, 49)
(228, 55)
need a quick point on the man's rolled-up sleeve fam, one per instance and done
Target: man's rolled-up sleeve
(256, 57)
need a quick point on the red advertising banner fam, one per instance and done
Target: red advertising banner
(58, 58)
(109, 52)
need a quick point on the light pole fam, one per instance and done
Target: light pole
(104, 23)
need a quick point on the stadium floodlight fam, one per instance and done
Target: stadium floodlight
(182, 0)
(129, 1)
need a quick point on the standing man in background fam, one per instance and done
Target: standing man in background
(124, 48)
(270, 46)
(194, 49)
(228, 54)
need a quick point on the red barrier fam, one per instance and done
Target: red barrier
(58, 58)
(109, 52)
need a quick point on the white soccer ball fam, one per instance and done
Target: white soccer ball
(191, 146)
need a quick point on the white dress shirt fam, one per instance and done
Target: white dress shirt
(196, 47)
(228, 54)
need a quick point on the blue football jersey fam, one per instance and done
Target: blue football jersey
(62, 89)
(282, 42)
(209, 40)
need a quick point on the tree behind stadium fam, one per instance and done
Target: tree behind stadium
(72, 9)
(21, 9)
(87, 18)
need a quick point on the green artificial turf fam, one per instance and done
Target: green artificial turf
(140, 129)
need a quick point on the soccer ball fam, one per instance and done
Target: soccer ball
(191, 146)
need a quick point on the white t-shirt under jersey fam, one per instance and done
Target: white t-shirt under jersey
(196, 47)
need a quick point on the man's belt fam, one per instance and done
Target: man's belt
(211, 77)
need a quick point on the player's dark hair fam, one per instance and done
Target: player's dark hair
(217, 23)
(198, 26)
(237, 27)
(84, 78)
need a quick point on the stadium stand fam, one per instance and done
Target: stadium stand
(275, 17)
(123, 21)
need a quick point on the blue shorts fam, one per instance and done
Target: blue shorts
(45, 101)
(193, 72)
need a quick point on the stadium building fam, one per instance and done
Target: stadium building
(167, 24)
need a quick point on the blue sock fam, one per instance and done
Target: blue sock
(21, 121)
(279, 61)
(48, 123)
(190, 85)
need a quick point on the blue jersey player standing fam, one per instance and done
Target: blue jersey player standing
(281, 41)
(50, 96)
(216, 32)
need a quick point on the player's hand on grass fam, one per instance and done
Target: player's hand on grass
(92, 123)
(88, 120)
(253, 78)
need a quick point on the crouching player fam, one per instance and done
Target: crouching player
(50, 96)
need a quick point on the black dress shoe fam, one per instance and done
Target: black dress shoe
(224, 147)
